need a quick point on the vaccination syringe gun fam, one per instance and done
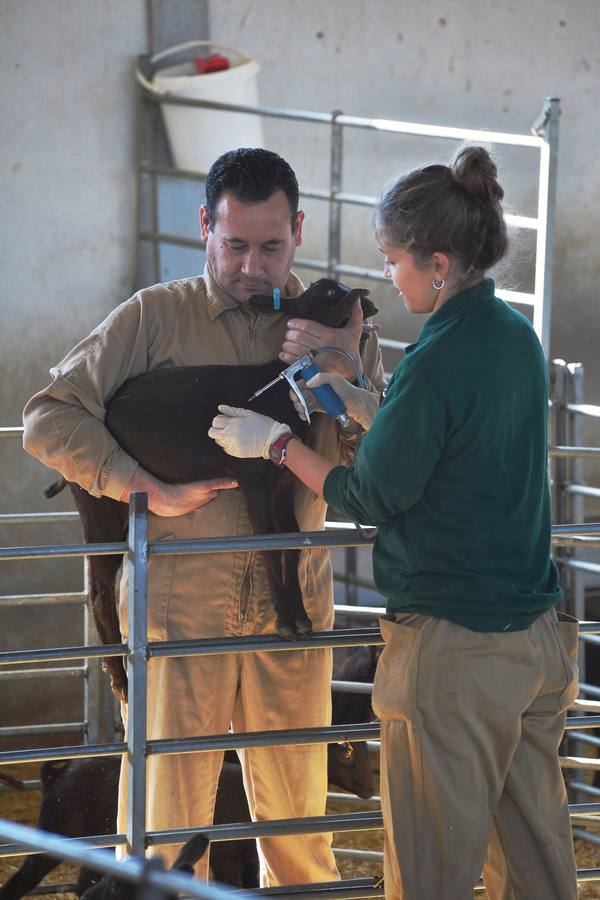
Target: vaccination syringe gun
(305, 368)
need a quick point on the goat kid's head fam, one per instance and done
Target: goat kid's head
(110, 887)
(326, 301)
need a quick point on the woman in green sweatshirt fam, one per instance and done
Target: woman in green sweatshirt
(478, 670)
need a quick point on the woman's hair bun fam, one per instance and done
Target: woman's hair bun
(475, 171)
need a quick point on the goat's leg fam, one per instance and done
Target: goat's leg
(102, 587)
(104, 520)
(27, 877)
(259, 492)
(285, 521)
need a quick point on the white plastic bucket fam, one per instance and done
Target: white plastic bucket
(198, 136)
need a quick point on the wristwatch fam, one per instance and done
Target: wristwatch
(278, 449)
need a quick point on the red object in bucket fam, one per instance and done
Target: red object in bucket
(216, 62)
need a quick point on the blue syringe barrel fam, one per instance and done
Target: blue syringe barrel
(327, 397)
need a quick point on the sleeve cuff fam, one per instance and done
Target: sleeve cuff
(117, 474)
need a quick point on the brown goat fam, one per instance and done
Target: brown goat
(161, 418)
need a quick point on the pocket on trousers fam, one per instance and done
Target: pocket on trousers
(395, 683)
(566, 630)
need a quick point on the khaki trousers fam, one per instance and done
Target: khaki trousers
(253, 692)
(192, 596)
(471, 724)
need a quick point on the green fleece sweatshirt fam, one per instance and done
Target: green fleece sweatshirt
(454, 471)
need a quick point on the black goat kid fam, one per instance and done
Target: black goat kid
(161, 418)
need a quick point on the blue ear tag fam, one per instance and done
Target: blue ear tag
(276, 300)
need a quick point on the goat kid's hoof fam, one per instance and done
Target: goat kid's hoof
(292, 630)
(287, 631)
(304, 627)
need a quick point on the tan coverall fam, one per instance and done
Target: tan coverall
(188, 323)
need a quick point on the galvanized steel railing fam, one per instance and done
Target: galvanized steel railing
(543, 139)
(139, 651)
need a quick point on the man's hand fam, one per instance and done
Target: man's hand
(304, 335)
(175, 499)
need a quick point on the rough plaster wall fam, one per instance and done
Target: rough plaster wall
(471, 63)
(67, 184)
(67, 229)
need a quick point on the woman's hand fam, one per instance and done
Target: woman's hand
(175, 499)
(245, 434)
(361, 405)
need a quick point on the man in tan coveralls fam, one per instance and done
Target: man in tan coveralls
(252, 226)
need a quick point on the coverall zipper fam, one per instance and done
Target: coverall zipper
(245, 587)
(246, 583)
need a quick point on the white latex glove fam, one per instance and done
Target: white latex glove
(309, 398)
(243, 433)
(361, 405)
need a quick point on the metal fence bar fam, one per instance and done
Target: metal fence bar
(353, 821)
(546, 216)
(38, 518)
(11, 432)
(52, 728)
(342, 637)
(137, 674)
(332, 734)
(53, 671)
(131, 869)
(575, 505)
(584, 409)
(582, 490)
(371, 124)
(247, 543)
(42, 599)
(544, 139)
(583, 452)
(352, 687)
(582, 565)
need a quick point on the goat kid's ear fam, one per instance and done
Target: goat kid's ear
(368, 307)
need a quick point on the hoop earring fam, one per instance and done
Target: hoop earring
(438, 285)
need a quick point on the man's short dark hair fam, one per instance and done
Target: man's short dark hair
(251, 175)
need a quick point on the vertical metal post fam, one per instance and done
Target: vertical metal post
(574, 475)
(141, 180)
(577, 503)
(137, 656)
(558, 436)
(154, 227)
(147, 182)
(546, 215)
(334, 252)
(335, 186)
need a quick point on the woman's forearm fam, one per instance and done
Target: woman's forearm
(308, 466)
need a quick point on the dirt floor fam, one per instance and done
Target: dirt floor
(22, 807)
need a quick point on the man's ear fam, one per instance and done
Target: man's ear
(298, 227)
(204, 223)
